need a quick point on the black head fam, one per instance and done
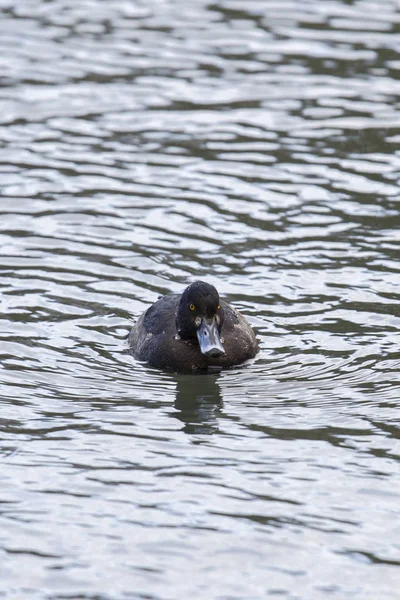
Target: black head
(199, 316)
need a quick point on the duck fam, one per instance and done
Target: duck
(194, 331)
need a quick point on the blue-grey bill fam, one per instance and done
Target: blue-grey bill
(209, 340)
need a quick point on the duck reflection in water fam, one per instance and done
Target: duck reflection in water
(198, 403)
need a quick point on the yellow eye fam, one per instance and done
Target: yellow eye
(192, 307)
(219, 306)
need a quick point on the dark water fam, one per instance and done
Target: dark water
(254, 144)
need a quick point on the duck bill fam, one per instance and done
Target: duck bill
(209, 340)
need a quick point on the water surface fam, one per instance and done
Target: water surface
(144, 145)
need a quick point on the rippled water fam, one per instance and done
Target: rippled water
(251, 144)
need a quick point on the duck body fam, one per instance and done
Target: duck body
(194, 331)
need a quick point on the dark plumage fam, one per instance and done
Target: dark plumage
(193, 331)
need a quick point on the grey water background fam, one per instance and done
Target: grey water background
(255, 145)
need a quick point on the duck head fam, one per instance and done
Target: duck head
(200, 316)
